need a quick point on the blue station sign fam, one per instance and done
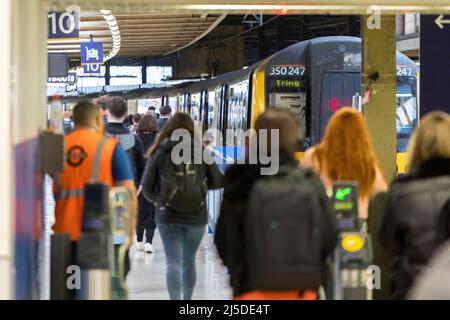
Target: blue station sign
(63, 26)
(91, 52)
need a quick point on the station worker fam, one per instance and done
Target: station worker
(90, 157)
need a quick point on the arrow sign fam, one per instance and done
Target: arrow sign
(440, 21)
(342, 193)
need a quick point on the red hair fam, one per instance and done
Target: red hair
(346, 151)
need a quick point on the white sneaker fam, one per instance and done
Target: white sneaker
(140, 246)
(149, 248)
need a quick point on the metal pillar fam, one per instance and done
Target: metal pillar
(262, 46)
(6, 196)
(378, 76)
(107, 73)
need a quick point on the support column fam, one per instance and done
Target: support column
(262, 47)
(28, 115)
(107, 73)
(6, 186)
(378, 56)
(280, 33)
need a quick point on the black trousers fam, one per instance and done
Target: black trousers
(146, 220)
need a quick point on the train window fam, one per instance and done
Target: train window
(237, 110)
(181, 102)
(212, 108)
(216, 118)
(195, 109)
(406, 101)
(173, 102)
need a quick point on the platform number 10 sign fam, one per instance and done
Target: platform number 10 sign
(63, 25)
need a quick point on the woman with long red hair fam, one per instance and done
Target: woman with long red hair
(346, 153)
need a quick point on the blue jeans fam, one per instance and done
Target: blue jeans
(181, 242)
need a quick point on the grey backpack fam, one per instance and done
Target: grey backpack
(283, 233)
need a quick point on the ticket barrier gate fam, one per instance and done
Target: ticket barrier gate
(353, 253)
(101, 252)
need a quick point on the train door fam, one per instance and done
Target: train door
(205, 110)
(338, 89)
(196, 108)
(224, 110)
(188, 103)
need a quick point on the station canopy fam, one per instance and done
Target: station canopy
(161, 27)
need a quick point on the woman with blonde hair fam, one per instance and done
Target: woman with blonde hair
(410, 229)
(346, 153)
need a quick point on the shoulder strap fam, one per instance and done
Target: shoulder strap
(95, 173)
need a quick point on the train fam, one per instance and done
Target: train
(313, 78)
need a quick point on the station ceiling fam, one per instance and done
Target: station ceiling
(357, 7)
(161, 27)
(142, 34)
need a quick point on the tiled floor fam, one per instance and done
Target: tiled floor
(147, 278)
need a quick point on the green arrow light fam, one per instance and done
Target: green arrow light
(342, 193)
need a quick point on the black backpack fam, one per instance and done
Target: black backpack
(183, 186)
(443, 225)
(283, 234)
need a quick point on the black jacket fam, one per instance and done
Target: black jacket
(151, 184)
(162, 123)
(135, 151)
(229, 233)
(147, 140)
(409, 229)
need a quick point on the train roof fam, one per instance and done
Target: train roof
(294, 53)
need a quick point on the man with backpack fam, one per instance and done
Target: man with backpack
(275, 232)
(117, 112)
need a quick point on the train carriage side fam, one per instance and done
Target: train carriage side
(328, 78)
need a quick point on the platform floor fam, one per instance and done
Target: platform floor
(147, 278)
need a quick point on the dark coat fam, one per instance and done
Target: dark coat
(147, 140)
(229, 233)
(162, 123)
(151, 185)
(409, 231)
(135, 152)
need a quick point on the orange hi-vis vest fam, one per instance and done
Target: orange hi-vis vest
(88, 159)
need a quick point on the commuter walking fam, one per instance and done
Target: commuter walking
(275, 232)
(90, 157)
(152, 111)
(346, 153)
(179, 194)
(146, 131)
(136, 118)
(166, 113)
(410, 227)
(117, 110)
(102, 103)
(68, 122)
